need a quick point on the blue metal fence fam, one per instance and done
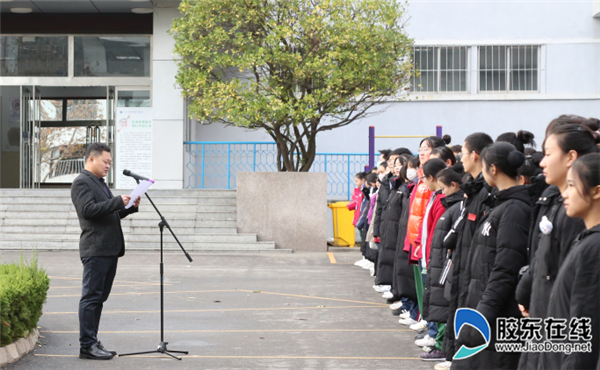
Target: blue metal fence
(215, 164)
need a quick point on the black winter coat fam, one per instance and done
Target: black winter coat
(549, 254)
(384, 192)
(388, 228)
(435, 306)
(404, 276)
(498, 251)
(576, 294)
(476, 190)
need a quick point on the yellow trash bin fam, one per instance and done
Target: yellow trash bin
(343, 230)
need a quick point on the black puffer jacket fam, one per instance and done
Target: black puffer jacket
(576, 294)
(404, 276)
(498, 251)
(550, 253)
(389, 222)
(384, 192)
(476, 190)
(435, 306)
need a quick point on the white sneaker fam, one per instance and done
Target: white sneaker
(382, 288)
(364, 263)
(372, 270)
(359, 262)
(427, 349)
(443, 365)
(407, 321)
(396, 305)
(369, 265)
(426, 341)
(387, 295)
(420, 325)
(404, 315)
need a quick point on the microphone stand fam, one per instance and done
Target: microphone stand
(162, 347)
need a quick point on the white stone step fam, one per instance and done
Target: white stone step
(75, 229)
(149, 238)
(203, 220)
(145, 208)
(153, 193)
(168, 245)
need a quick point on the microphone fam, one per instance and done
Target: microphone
(134, 175)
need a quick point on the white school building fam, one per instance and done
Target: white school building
(76, 72)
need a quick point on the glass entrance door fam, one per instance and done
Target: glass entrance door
(30, 154)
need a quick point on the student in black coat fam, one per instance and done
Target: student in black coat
(476, 191)
(498, 251)
(435, 305)
(552, 232)
(576, 291)
(388, 228)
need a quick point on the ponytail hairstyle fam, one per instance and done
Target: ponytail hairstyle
(477, 142)
(361, 175)
(519, 140)
(372, 178)
(433, 167)
(572, 119)
(587, 169)
(505, 157)
(436, 142)
(452, 174)
(445, 153)
(531, 166)
(575, 137)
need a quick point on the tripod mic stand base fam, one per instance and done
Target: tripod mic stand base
(162, 348)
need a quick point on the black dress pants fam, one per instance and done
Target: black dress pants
(98, 276)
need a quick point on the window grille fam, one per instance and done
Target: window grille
(440, 69)
(508, 68)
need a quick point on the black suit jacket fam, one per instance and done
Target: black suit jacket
(99, 217)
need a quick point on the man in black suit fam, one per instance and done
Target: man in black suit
(100, 246)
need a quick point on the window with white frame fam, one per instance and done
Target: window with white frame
(509, 68)
(440, 69)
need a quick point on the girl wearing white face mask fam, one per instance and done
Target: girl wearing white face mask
(412, 168)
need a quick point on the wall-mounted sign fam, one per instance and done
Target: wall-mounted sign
(133, 144)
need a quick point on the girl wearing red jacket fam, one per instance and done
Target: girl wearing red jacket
(418, 205)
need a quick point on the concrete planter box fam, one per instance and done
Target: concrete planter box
(288, 208)
(18, 349)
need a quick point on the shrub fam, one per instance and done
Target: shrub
(23, 288)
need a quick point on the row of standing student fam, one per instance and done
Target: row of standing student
(515, 246)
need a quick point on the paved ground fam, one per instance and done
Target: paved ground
(231, 311)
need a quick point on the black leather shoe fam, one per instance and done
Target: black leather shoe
(105, 350)
(94, 353)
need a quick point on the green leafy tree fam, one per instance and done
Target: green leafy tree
(291, 67)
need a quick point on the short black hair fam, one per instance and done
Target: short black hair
(96, 149)
(400, 151)
(385, 153)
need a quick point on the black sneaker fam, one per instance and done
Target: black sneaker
(105, 350)
(397, 312)
(433, 355)
(392, 300)
(93, 352)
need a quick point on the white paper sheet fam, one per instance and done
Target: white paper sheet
(139, 190)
